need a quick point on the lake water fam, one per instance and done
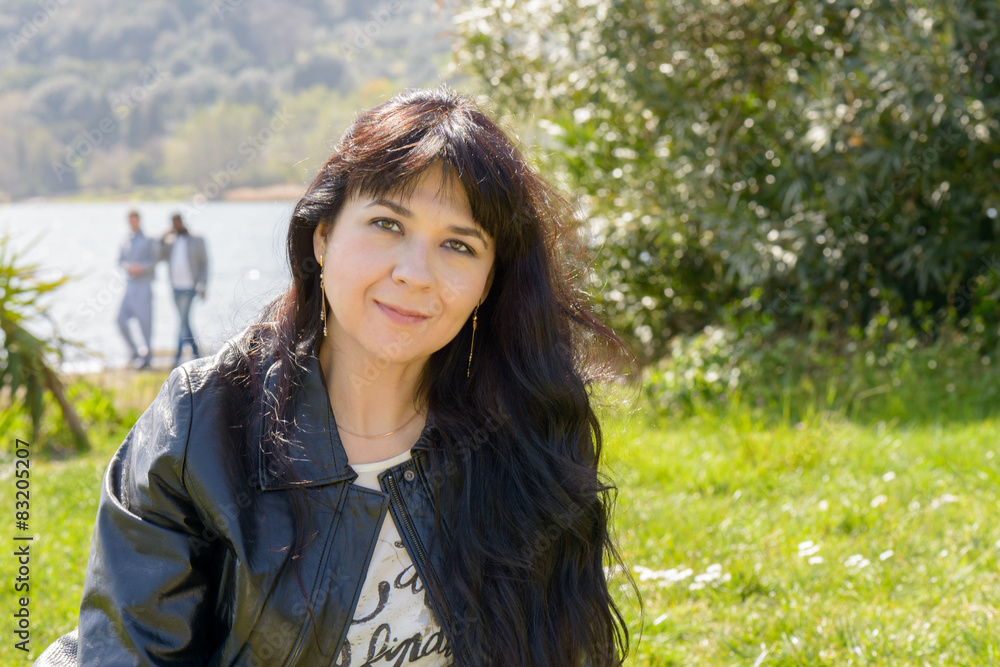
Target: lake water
(247, 267)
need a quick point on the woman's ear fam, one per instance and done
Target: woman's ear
(319, 240)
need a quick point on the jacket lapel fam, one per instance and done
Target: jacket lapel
(315, 452)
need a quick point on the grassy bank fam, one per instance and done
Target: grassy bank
(753, 541)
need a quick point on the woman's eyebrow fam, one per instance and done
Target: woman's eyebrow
(399, 209)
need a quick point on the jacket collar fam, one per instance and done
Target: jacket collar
(317, 455)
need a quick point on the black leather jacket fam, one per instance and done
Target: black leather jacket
(190, 562)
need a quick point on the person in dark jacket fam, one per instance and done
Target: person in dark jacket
(398, 463)
(187, 263)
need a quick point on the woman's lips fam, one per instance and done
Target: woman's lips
(401, 315)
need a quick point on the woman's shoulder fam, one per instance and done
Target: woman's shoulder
(236, 366)
(201, 398)
(196, 429)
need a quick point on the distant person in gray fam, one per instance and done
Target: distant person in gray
(187, 258)
(138, 259)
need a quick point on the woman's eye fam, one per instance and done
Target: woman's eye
(459, 246)
(386, 224)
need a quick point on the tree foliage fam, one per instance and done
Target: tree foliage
(814, 163)
(95, 80)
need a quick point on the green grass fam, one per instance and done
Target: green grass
(826, 543)
(723, 517)
(63, 497)
(63, 504)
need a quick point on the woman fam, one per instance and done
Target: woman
(398, 463)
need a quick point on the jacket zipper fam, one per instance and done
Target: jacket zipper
(421, 556)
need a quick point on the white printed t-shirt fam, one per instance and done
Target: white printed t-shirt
(393, 622)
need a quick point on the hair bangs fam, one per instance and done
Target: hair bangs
(389, 151)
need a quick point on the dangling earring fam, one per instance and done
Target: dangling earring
(475, 314)
(322, 296)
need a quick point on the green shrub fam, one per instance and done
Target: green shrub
(838, 157)
(882, 372)
(28, 361)
(95, 407)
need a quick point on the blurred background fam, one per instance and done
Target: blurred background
(792, 209)
(220, 111)
(749, 171)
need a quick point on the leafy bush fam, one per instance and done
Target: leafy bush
(97, 411)
(845, 153)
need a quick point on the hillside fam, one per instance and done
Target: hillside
(104, 96)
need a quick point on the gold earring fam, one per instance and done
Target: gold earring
(322, 297)
(475, 314)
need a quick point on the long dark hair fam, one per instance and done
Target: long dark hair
(520, 500)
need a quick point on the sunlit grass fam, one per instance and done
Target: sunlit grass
(63, 504)
(752, 541)
(825, 543)
(63, 497)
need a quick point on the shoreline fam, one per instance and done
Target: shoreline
(278, 192)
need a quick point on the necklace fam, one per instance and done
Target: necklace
(383, 435)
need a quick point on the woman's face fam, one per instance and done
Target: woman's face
(403, 274)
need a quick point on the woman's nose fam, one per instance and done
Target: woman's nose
(414, 265)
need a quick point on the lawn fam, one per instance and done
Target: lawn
(823, 543)
(751, 541)
(63, 497)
